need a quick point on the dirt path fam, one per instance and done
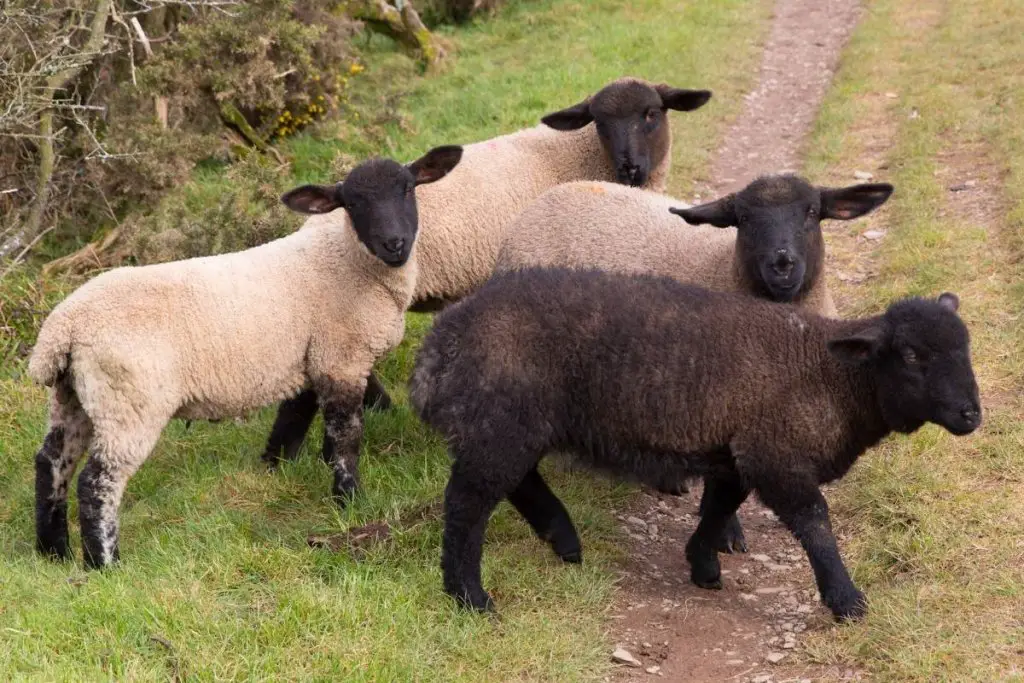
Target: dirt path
(749, 631)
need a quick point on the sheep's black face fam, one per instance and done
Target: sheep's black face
(779, 244)
(380, 197)
(919, 353)
(631, 123)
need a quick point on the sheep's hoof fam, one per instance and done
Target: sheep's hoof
(715, 584)
(849, 606)
(573, 557)
(477, 600)
(732, 539)
(344, 490)
(57, 550)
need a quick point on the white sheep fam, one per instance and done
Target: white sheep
(621, 133)
(216, 337)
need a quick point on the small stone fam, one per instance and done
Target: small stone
(652, 529)
(747, 596)
(760, 558)
(971, 183)
(804, 609)
(761, 678)
(623, 656)
(653, 669)
(874, 234)
(778, 567)
(636, 521)
(775, 657)
(891, 95)
(770, 590)
(862, 175)
(787, 627)
(789, 645)
(734, 662)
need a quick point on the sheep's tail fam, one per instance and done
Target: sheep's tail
(51, 356)
(428, 371)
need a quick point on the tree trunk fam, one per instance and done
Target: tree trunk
(404, 25)
(47, 158)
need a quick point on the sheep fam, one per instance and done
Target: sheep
(621, 133)
(652, 379)
(773, 247)
(216, 337)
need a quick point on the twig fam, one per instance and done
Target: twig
(16, 259)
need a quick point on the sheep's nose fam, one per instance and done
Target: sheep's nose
(783, 263)
(395, 244)
(971, 414)
(631, 171)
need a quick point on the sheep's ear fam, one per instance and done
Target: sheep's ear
(314, 198)
(859, 347)
(571, 118)
(435, 164)
(950, 301)
(851, 202)
(720, 213)
(680, 99)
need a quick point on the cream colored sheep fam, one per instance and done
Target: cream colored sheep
(215, 337)
(621, 133)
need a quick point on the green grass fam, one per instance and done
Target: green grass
(217, 581)
(936, 523)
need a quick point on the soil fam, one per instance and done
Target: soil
(751, 631)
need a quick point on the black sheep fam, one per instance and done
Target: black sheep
(653, 379)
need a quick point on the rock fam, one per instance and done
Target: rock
(653, 669)
(891, 95)
(636, 521)
(804, 609)
(623, 656)
(775, 657)
(652, 529)
(770, 590)
(874, 234)
(862, 175)
(778, 567)
(760, 558)
(761, 678)
(789, 645)
(734, 662)
(747, 596)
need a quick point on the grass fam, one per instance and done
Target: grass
(217, 581)
(937, 522)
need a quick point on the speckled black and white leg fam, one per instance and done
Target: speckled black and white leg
(63, 448)
(115, 455)
(342, 405)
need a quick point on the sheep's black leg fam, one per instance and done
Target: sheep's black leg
(294, 416)
(547, 516)
(468, 503)
(343, 434)
(376, 396)
(62, 449)
(731, 539)
(702, 548)
(52, 498)
(804, 511)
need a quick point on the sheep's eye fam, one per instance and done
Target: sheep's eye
(909, 357)
(651, 116)
(812, 212)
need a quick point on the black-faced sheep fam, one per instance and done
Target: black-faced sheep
(214, 337)
(772, 246)
(654, 379)
(621, 133)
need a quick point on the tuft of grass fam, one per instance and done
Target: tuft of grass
(936, 522)
(217, 580)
